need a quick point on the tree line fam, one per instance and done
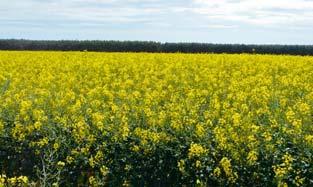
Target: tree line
(150, 46)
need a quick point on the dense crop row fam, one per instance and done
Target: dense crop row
(75, 118)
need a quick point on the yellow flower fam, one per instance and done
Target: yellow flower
(2, 180)
(104, 170)
(92, 181)
(198, 164)
(200, 131)
(56, 146)
(12, 181)
(196, 150)
(309, 139)
(69, 159)
(23, 179)
(304, 108)
(43, 142)
(37, 125)
(181, 166)
(61, 164)
(284, 168)
(1, 127)
(92, 162)
(217, 172)
(290, 115)
(225, 163)
(252, 157)
(236, 119)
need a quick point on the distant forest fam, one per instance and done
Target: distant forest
(149, 46)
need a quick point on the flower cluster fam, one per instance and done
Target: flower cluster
(139, 119)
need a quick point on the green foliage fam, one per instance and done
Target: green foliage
(149, 46)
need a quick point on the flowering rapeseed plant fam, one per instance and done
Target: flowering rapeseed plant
(111, 119)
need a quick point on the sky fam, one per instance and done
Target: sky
(209, 21)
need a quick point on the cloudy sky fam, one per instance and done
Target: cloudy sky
(214, 21)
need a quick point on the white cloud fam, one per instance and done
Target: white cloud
(218, 26)
(117, 11)
(269, 13)
(177, 14)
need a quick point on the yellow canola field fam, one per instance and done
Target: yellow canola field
(139, 119)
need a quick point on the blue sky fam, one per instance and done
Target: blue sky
(214, 21)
